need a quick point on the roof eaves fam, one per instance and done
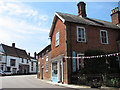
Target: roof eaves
(63, 20)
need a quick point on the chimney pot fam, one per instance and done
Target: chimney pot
(29, 54)
(13, 45)
(35, 54)
(115, 16)
(82, 9)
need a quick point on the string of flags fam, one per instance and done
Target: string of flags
(98, 56)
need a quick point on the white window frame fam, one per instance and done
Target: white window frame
(57, 39)
(106, 36)
(42, 56)
(78, 63)
(47, 67)
(32, 66)
(46, 55)
(14, 62)
(38, 67)
(78, 34)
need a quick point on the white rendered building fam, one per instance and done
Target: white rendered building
(16, 60)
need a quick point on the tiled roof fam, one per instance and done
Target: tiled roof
(88, 21)
(46, 48)
(12, 51)
(82, 20)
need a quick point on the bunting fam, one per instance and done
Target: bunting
(98, 56)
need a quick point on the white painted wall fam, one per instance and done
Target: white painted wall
(18, 61)
(34, 66)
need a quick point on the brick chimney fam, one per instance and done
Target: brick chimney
(29, 54)
(82, 9)
(35, 54)
(13, 45)
(115, 16)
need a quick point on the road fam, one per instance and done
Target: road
(29, 82)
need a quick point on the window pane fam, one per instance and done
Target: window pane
(57, 39)
(104, 37)
(81, 34)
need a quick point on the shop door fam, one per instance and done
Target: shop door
(54, 72)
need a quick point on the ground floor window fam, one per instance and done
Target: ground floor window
(46, 66)
(2, 67)
(8, 68)
(31, 66)
(39, 68)
(80, 61)
(54, 69)
(12, 62)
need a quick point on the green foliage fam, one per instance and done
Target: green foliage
(111, 82)
(98, 65)
(95, 65)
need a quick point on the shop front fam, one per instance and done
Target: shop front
(57, 69)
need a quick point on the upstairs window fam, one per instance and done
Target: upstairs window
(12, 62)
(47, 61)
(81, 36)
(57, 39)
(27, 61)
(104, 37)
(47, 55)
(22, 60)
(42, 55)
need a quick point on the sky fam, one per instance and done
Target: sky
(28, 23)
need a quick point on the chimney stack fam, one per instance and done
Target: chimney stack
(115, 16)
(13, 45)
(29, 54)
(35, 54)
(82, 9)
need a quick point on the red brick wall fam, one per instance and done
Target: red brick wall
(47, 75)
(115, 18)
(93, 41)
(61, 49)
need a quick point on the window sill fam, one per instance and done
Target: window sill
(56, 46)
(82, 42)
(105, 43)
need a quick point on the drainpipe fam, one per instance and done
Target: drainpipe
(66, 51)
(119, 53)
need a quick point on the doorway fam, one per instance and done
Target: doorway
(54, 72)
(42, 72)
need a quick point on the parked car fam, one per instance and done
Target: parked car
(8, 73)
(1, 73)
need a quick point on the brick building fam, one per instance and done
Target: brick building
(72, 35)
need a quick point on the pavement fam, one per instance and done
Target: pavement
(31, 82)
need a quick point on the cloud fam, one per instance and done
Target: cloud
(22, 24)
